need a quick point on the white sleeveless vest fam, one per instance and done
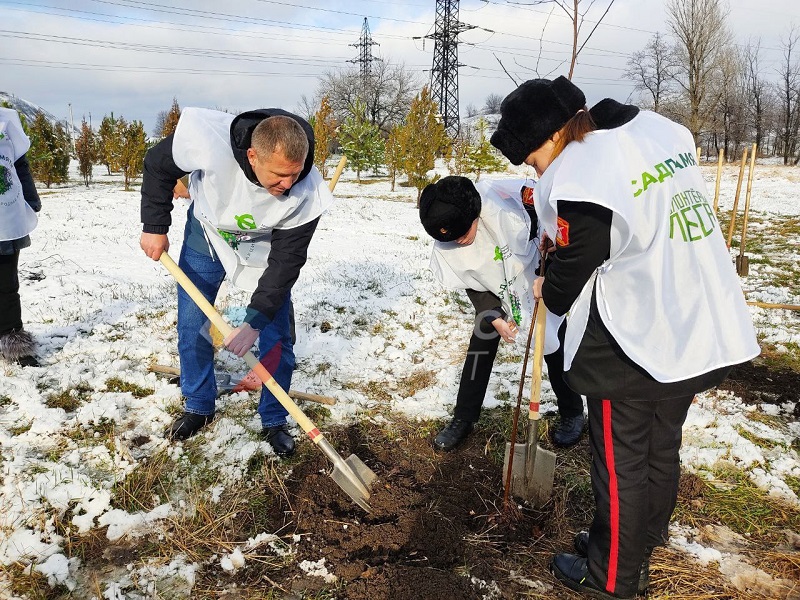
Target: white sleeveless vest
(237, 215)
(17, 218)
(668, 293)
(501, 260)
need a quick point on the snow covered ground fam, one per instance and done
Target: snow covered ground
(369, 316)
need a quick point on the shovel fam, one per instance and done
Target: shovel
(351, 474)
(529, 469)
(742, 262)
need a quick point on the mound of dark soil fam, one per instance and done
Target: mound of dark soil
(757, 384)
(436, 523)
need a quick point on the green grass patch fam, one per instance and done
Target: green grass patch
(793, 483)
(757, 440)
(5, 400)
(774, 358)
(20, 429)
(71, 398)
(115, 384)
(732, 499)
(147, 486)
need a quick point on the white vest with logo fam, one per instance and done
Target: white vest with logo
(668, 294)
(17, 218)
(237, 215)
(501, 260)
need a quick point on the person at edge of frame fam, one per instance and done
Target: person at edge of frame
(646, 284)
(256, 201)
(19, 203)
(487, 244)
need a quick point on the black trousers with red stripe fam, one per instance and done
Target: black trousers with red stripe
(635, 471)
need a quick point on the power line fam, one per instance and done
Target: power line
(365, 57)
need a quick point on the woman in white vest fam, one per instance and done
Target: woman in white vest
(19, 203)
(656, 312)
(256, 202)
(487, 244)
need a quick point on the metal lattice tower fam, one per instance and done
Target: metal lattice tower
(444, 74)
(364, 46)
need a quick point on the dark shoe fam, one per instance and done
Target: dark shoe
(16, 344)
(187, 425)
(452, 435)
(581, 544)
(28, 361)
(569, 431)
(280, 439)
(573, 571)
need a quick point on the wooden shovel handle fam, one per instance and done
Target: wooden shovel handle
(251, 360)
(337, 173)
(536, 369)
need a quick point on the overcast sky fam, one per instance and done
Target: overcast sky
(133, 56)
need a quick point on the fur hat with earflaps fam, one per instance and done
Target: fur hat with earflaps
(532, 113)
(448, 207)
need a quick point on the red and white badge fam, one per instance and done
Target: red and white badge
(562, 237)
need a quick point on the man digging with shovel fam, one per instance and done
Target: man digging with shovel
(256, 202)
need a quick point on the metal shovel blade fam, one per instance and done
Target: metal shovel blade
(354, 478)
(350, 474)
(540, 481)
(742, 265)
(518, 487)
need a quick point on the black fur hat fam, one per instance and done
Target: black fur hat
(532, 113)
(448, 208)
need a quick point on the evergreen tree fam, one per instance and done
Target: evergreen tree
(171, 119)
(393, 155)
(86, 151)
(483, 158)
(49, 152)
(324, 126)
(425, 139)
(108, 144)
(361, 141)
(133, 147)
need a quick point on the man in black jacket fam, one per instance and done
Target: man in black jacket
(257, 199)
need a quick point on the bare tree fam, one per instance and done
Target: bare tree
(577, 15)
(730, 120)
(758, 90)
(702, 35)
(788, 92)
(387, 93)
(652, 70)
(492, 104)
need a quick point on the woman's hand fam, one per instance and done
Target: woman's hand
(507, 329)
(537, 287)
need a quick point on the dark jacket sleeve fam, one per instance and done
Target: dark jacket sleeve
(29, 192)
(486, 303)
(588, 244)
(286, 257)
(158, 180)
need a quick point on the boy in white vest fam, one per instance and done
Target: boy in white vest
(256, 202)
(19, 203)
(487, 244)
(656, 312)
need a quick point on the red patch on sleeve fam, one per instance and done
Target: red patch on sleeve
(527, 195)
(562, 238)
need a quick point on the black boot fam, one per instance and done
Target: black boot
(581, 544)
(569, 431)
(452, 435)
(280, 439)
(187, 425)
(573, 571)
(18, 346)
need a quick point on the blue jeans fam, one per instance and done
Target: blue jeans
(196, 352)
